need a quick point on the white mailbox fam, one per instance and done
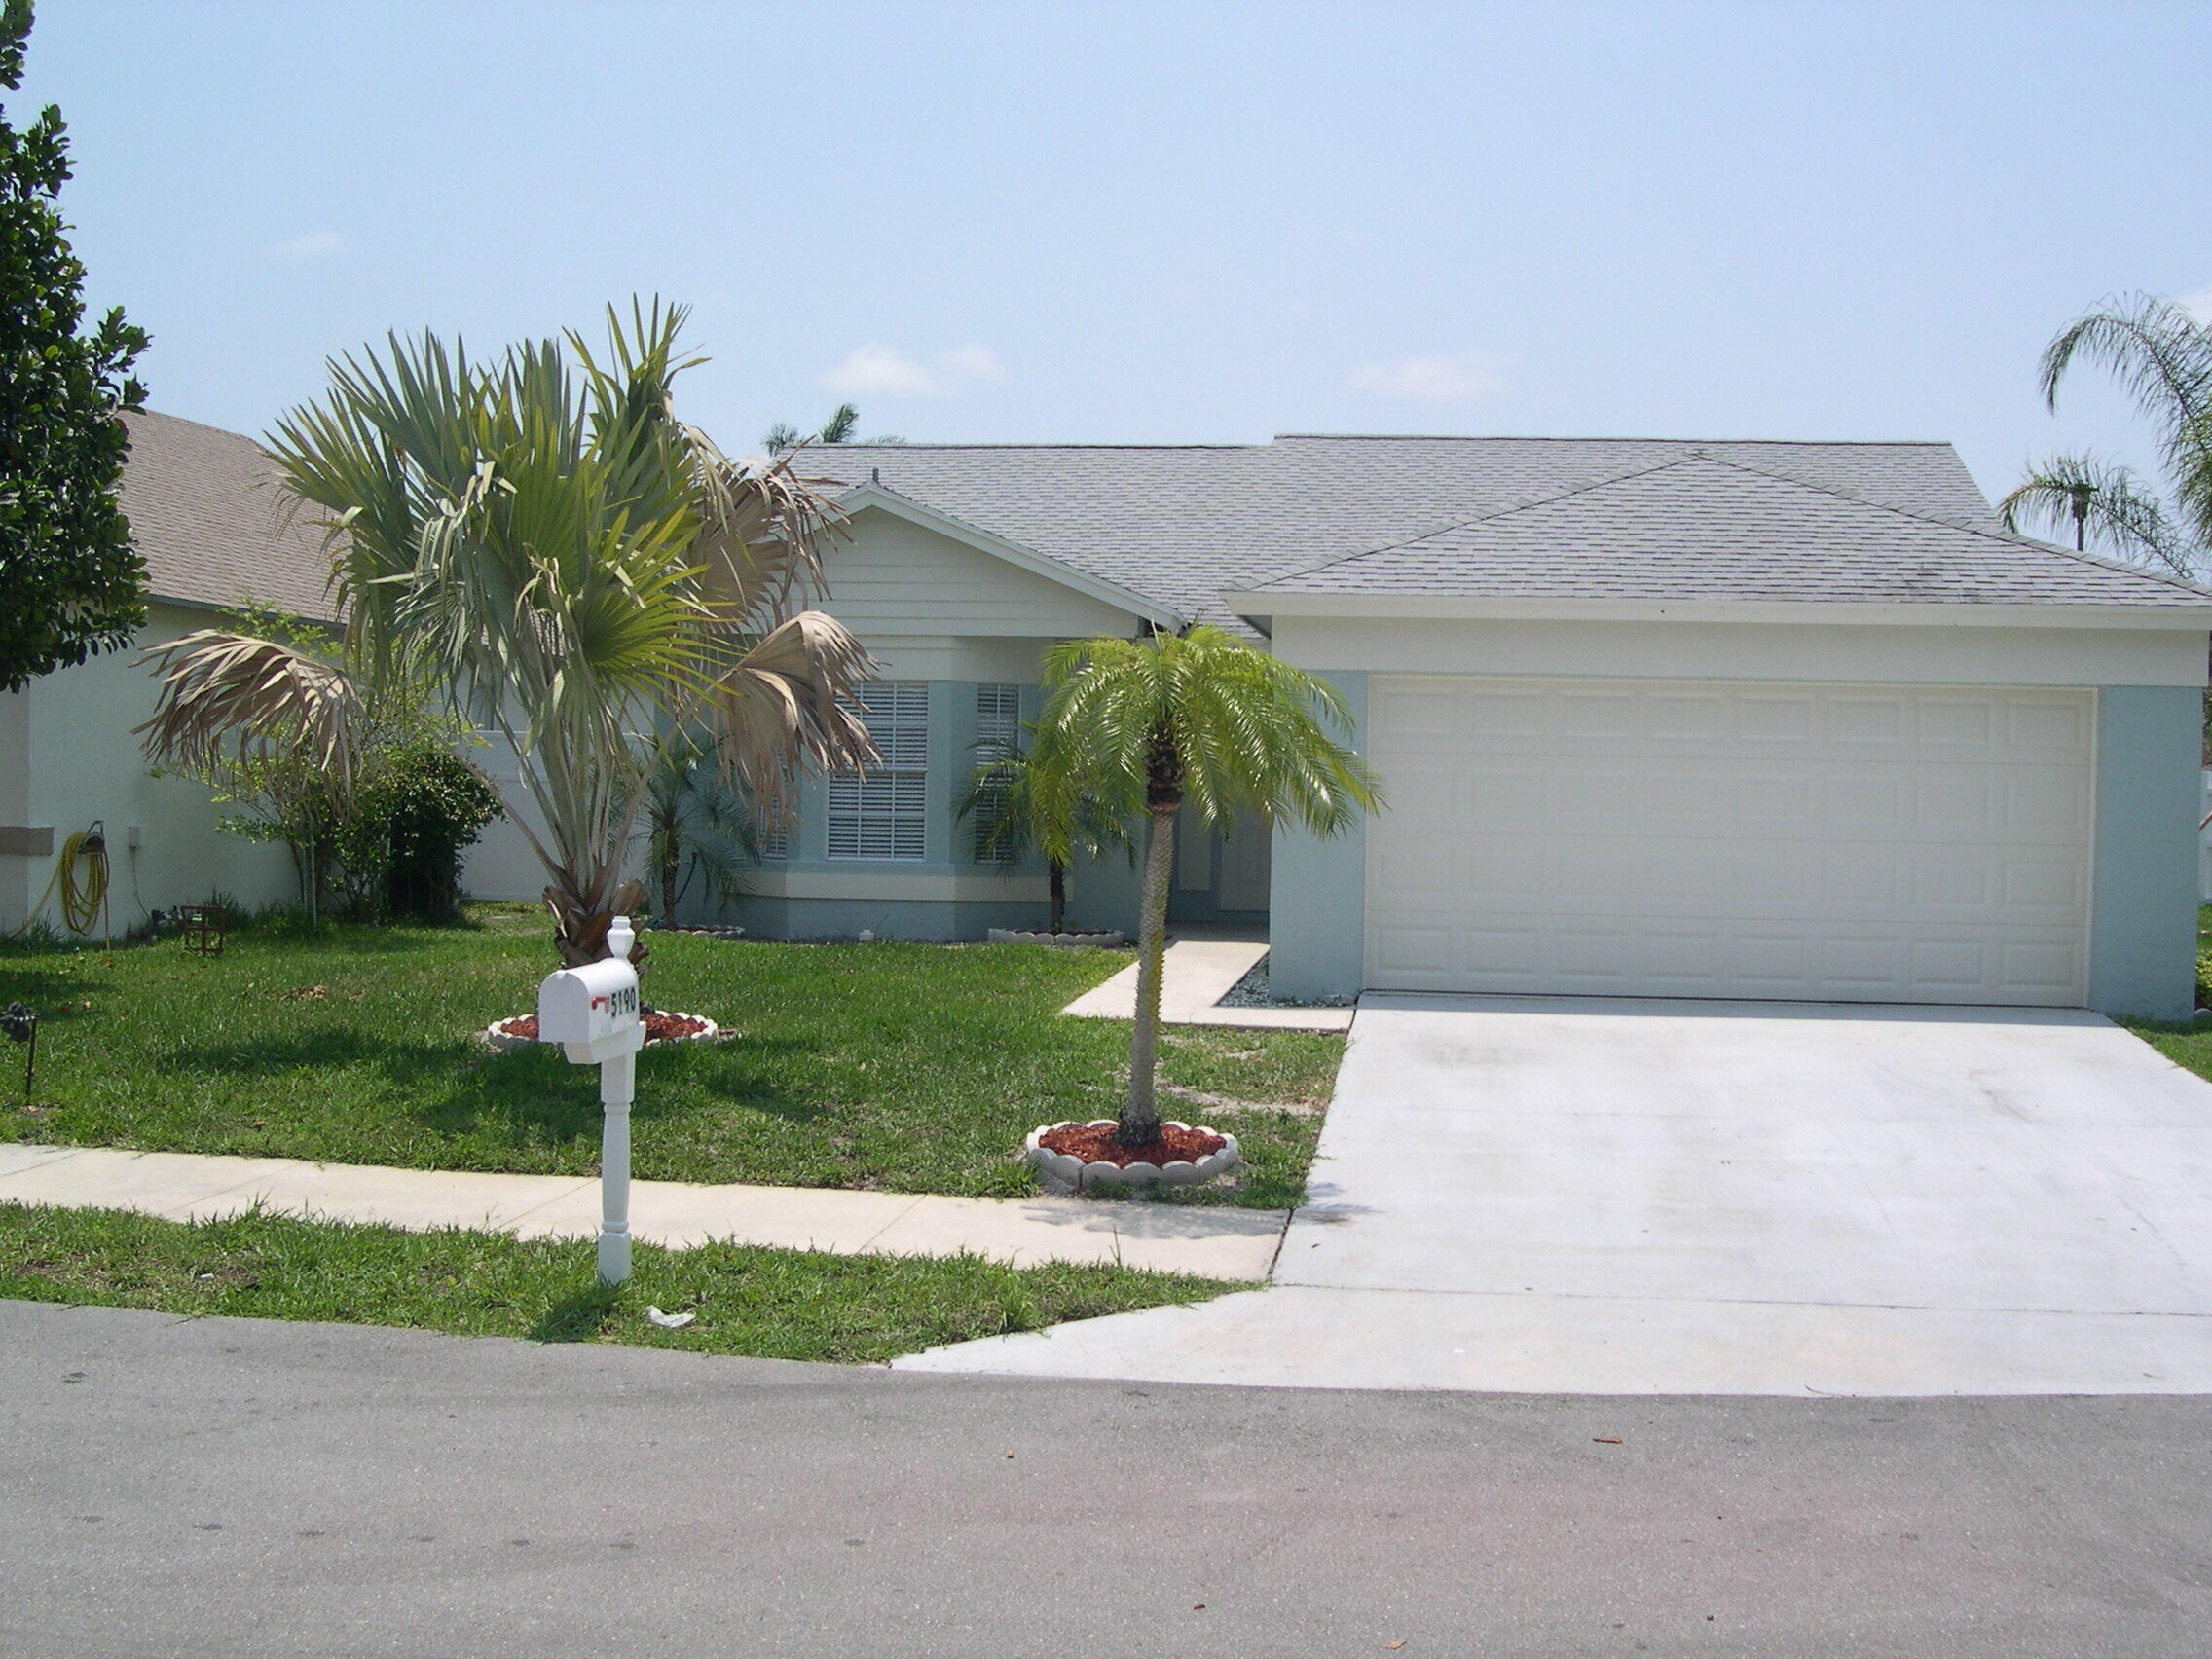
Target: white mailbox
(592, 1012)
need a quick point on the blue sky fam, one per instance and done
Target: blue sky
(1163, 222)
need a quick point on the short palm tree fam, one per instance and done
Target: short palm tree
(697, 825)
(1003, 797)
(577, 568)
(1148, 726)
(2162, 356)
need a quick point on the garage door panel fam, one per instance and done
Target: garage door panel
(1892, 844)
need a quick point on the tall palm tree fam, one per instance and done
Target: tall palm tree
(580, 568)
(1198, 718)
(1013, 814)
(2162, 355)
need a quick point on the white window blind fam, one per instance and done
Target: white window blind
(883, 813)
(998, 722)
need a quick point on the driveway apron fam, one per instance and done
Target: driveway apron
(1642, 1197)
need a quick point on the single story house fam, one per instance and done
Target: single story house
(203, 506)
(1655, 718)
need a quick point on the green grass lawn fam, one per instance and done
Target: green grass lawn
(2187, 1044)
(902, 1067)
(769, 1303)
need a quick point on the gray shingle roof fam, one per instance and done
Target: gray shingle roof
(1182, 523)
(203, 508)
(1704, 527)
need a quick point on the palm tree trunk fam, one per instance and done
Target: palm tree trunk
(1057, 873)
(1140, 1117)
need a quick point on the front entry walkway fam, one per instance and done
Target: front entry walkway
(1625, 1197)
(1196, 974)
(1217, 1243)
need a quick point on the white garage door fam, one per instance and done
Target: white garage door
(1647, 839)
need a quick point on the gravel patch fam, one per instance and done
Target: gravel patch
(1252, 991)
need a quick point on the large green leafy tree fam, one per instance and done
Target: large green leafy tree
(70, 581)
(2161, 356)
(1146, 728)
(581, 572)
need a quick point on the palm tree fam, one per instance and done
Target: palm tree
(1003, 797)
(574, 566)
(844, 421)
(2163, 358)
(1198, 718)
(696, 825)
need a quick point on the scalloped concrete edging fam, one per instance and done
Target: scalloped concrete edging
(1102, 939)
(1176, 1172)
(502, 1042)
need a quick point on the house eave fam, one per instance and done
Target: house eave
(1261, 609)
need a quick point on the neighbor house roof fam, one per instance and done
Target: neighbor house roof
(1186, 522)
(1709, 527)
(207, 516)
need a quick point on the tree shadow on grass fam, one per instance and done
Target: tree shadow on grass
(458, 1089)
(578, 1318)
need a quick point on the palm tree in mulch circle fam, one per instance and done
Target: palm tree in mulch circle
(2161, 356)
(1198, 719)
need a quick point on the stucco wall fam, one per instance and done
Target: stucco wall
(1318, 915)
(79, 762)
(2143, 897)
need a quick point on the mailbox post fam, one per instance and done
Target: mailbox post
(593, 1012)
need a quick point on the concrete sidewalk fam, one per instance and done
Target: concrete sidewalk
(1197, 973)
(1216, 1244)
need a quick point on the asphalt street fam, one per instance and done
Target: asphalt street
(241, 1488)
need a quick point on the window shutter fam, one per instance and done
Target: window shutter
(883, 813)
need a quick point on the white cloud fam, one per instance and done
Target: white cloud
(310, 244)
(885, 371)
(1458, 378)
(971, 363)
(2198, 306)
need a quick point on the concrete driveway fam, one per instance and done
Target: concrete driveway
(1630, 1197)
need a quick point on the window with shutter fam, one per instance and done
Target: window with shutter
(883, 813)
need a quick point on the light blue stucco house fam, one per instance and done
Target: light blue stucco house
(1739, 720)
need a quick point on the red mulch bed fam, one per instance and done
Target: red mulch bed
(1095, 1144)
(659, 1027)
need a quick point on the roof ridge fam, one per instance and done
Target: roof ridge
(1014, 444)
(1510, 507)
(2010, 539)
(1554, 438)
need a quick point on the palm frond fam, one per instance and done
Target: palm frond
(2103, 505)
(2161, 356)
(230, 693)
(788, 701)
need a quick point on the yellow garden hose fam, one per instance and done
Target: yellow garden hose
(84, 900)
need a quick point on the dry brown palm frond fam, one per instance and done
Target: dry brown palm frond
(762, 531)
(790, 697)
(224, 691)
